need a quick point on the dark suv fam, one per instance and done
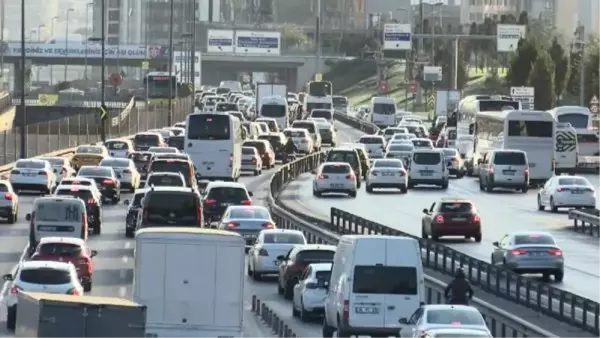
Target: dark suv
(220, 195)
(171, 206)
(350, 156)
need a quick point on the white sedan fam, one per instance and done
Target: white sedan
(566, 192)
(387, 173)
(311, 290)
(400, 151)
(335, 177)
(439, 316)
(130, 177)
(262, 256)
(251, 160)
(60, 166)
(32, 174)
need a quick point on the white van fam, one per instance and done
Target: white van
(383, 111)
(327, 114)
(187, 296)
(54, 216)
(427, 166)
(375, 281)
(275, 107)
(507, 168)
(567, 148)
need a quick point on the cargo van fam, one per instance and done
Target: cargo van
(375, 280)
(187, 296)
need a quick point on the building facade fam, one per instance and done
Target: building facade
(37, 12)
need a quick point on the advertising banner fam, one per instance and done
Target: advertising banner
(397, 36)
(508, 37)
(182, 66)
(220, 41)
(90, 51)
(254, 42)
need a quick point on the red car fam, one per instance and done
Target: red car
(451, 217)
(68, 249)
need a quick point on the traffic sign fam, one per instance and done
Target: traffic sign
(103, 112)
(594, 103)
(47, 99)
(525, 95)
(145, 65)
(318, 77)
(115, 79)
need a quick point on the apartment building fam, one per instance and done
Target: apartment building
(123, 21)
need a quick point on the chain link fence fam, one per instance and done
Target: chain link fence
(50, 136)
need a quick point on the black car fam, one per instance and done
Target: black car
(133, 208)
(108, 182)
(92, 204)
(177, 141)
(171, 206)
(220, 195)
(142, 160)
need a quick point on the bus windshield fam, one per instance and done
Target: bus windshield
(495, 105)
(208, 127)
(272, 110)
(158, 86)
(384, 108)
(577, 121)
(530, 128)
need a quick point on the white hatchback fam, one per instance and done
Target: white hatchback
(130, 177)
(387, 173)
(120, 148)
(271, 243)
(301, 138)
(311, 291)
(374, 144)
(60, 166)
(567, 192)
(335, 177)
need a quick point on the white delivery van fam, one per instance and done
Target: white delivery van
(191, 280)
(375, 281)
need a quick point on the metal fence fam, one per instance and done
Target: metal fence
(46, 137)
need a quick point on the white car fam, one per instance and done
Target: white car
(455, 333)
(335, 177)
(399, 151)
(32, 174)
(301, 138)
(130, 177)
(164, 179)
(9, 202)
(251, 160)
(439, 316)
(374, 144)
(120, 148)
(60, 166)
(397, 137)
(387, 173)
(566, 192)
(81, 181)
(422, 143)
(262, 256)
(391, 131)
(40, 276)
(454, 163)
(311, 291)
(163, 150)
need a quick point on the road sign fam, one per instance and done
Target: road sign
(430, 101)
(594, 103)
(525, 95)
(103, 112)
(145, 65)
(115, 79)
(421, 59)
(508, 37)
(47, 99)
(432, 73)
(397, 36)
(318, 77)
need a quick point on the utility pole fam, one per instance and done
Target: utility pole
(2, 17)
(170, 99)
(193, 65)
(318, 38)
(103, 70)
(23, 74)
(581, 38)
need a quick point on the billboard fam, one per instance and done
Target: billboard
(508, 37)
(257, 42)
(182, 67)
(219, 41)
(397, 36)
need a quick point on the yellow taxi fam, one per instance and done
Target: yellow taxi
(88, 155)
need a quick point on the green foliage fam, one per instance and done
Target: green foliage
(521, 63)
(592, 71)
(562, 69)
(523, 18)
(444, 58)
(542, 79)
(293, 37)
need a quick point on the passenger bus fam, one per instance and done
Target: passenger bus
(530, 131)
(320, 88)
(566, 148)
(383, 111)
(580, 118)
(214, 143)
(275, 107)
(157, 85)
(471, 105)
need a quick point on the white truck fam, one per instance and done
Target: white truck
(269, 89)
(191, 281)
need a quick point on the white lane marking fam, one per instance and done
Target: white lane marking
(125, 259)
(127, 245)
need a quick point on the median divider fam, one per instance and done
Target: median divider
(279, 327)
(586, 221)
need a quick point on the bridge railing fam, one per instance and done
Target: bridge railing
(72, 103)
(68, 132)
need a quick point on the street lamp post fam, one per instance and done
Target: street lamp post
(52, 22)
(39, 32)
(67, 43)
(170, 65)
(23, 153)
(87, 12)
(102, 40)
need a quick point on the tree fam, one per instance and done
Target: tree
(293, 37)
(521, 63)
(561, 63)
(523, 18)
(541, 79)
(592, 73)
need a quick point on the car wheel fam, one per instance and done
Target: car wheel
(541, 207)
(12, 218)
(553, 207)
(403, 189)
(249, 271)
(352, 194)
(477, 238)
(303, 313)
(444, 185)
(327, 331)
(424, 233)
(558, 277)
(481, 186)
(489, 187)
(11, 318)
(295, 312)
(87, 285)
(97, 228)
(256, 172)
(525, 189)
(288, 292)
(368, 189)
(279, 289)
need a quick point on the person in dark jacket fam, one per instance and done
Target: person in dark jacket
(459, 291)
(290, 147)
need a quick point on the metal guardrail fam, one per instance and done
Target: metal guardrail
(71, 103)
(500, 322)
(586, 221)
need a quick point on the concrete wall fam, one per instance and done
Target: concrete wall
(307, 71)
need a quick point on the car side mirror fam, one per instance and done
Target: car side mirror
(7, 277)
(280, 257)
(403, 321)
(126, 202)
(28, 217)
(425, 211)
(250, 193)
(496, 244)
(119, 176)
(93, 253)
(479, 161)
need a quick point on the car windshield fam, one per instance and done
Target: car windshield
(115, 163)
(315, 256)
(297, 134)
(88, 150)
(248, 151)
(283, 238)
(375, 279)
(117, 145)
(387, 164)
(454, 317)
(509, 158)
(95, 172)
(326, 114)
(82, 194)
(227, 193)
(165, 181)
(146, 139)
(60, 249)
(573, 181)
(336, 169)
(46, 276)
(30, 164)
(249, 213)
(392, 131)
(401, 147)
(456, 207)
(58, 211)
(305, 125)
(426, 158)
(371, 140)
(181, 204)
(260, 146)
(534, 239)
(421, 143)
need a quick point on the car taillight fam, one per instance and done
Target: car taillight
(232, 225)
(526, 171)
(108, 182)
(518, 252)
(63, 171)
(268, 225)
(439, 219)
(561, 189)
(8, 196)
(91, 201)
(491, 170)
(303, 141)
(14, 290)
(87, 262)
(73, 292)
(230, 160)
(254, 160)
(453, 159)
(553, 164)
(210, 201)
(311, 285)
(346, 312)
(246, 202)
(15, 172)
(323, 177)
(42, 173)
(555, 252)
(126, 171)
(199, 215)
(402, 172)
(263, 252)
(350, 177)
(476, 218)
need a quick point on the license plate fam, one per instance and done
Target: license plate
(249, 236)
(508, 172)
(576, 192)
(366, 310)
(387, 174)
(226, 204)
(337, 186)
(30, 174)
(426, 173)
(459, 219)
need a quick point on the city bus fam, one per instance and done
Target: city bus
(213, 140)
(580, 118)
(471, 105)
(157, 85)
(530, 131)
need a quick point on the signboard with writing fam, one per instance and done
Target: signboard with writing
(220, 41)
(91, 50)
(508, 37)
(255, 42)
(397, 36)
(525, 95)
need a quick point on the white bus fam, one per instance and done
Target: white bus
(214, 143)
(530, 131)
(316, 102)
(275, 107)
(472, 105)
(566, 147)
(580, 118)
(383, 111)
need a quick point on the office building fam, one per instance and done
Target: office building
(123, 20)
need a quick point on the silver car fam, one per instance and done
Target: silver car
(400, 151)
(335, 177)
(530, 252)
(246, 220)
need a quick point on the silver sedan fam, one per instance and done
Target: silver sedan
(247, 220)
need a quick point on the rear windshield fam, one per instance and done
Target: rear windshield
(84, 195)
(401, 137)
(227, 193)
(396, 280)
(326, 114)
(117, 145)
(249, 213)
(534, 239)
(315, 256)
(401, 147)
(146, 139)
(336, 169)
(89, 150)
(392, 131)
(172, 166)
(342, 156)
(166, 202)
(260, 146)
(176, 142)
(73, 181)
(165, 181)
(54, 161)
(248, 151)
(48, 211)
(115, 163)
(208, 127)
(421, 143)
(450, 152)
(304, 125)
(96, 172)
(340, 101)
(388, 164)
(3, 188)
(371, 140)
(223, 107)
(141, 157)
(509, 158)
(427, 158)
(60, 249)
(456, 207)
(283, 238)
(297, 134)
(573, 181)
(30, 164)
(45, 276)
(454, 317)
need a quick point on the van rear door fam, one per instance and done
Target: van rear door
(366, 301)
(402, 272)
